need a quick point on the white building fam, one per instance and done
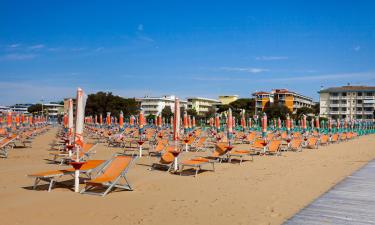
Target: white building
(20, 108)
(353, 102)
(201, 105)
(53, 109)
(154, 105)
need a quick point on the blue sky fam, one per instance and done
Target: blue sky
(186, 48)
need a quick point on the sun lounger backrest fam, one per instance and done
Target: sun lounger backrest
(274, 145)
(116, 167)
(296, 143)
(167, 158)
(258, 143)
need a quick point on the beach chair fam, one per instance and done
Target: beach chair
(296, 144)
(312, 143)
(157, 149)
(110, 176)
(197, 164)
(334, 138)
(51, 176)
(6, 144)
(217, 155)
(273, 148)
(324, 140)
(166, 160)
(257, 146)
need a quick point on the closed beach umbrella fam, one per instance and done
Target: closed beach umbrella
(108, 119)
(31, 120)
(264, 125)
(70, 119)
(141, 121)
(96, 119)
(217, 122)
(101, 119)
(121, 120)
(78, 137)
(288, 123)
(193, 122)
(230, 124)
(279, 123)
(317, 123)
(65, 120)
(304, 122)
(186, 125)
(17, 119)
(176, 119)
(211, 122)
(9, 119)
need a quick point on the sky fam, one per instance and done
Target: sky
(183, 48)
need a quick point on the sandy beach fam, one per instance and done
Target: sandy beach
(268, 190)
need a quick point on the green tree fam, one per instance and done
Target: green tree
(304, 110)
(276, 111)
(103, 102)
(167, 112)
(35, 108)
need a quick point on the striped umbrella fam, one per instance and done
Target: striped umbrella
(279, 123)
(186, 125)
(17, 120)
(65, 120)
(78, 137)
(193, 122)
(304, 122)
(317, 122)
(31, 120)
(338, 124)
(108, 119)
(141, 121)
(9, 119)
(217, 122)
(230, 125)
(189, 122)
(176, 119)
(264, 125)
(121, 120)
(211, 122)
(250, 123)
(70, 119)
(288, 123)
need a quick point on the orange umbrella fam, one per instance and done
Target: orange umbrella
(9, 119)
(31, 120)
(264, 125)
(186, 126)
(101, 119)
(211, 122)
(230, 125)
(121, 120)
(108, 120)
(217, 122)
(17, 119)
(193, 122)
(176, 119)
(288, 123)
(65, 120)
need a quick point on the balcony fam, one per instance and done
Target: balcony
(334, 105)
(369, 97)
(334, 97)
(334, 112)
(368, 112)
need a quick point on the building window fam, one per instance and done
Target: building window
(359, 93)
(359, 101)
(344, 94)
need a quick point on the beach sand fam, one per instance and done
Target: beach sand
(267, 191)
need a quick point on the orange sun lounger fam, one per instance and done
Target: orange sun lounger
(110, 176)
(52, 175)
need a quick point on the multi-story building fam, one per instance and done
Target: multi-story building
(201, 105)
(20, 108)
(154, 105)
(227, 99)
(290, 99)
(353, 102)
(53, 110)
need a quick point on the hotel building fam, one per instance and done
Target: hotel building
(154, 105)
(227, 99)
(201, 105)
(353, 102)
(290, 99)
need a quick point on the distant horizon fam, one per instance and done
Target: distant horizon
(133, 49)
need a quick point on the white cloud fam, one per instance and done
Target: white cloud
(14, 45)
(39, 46)
(244, 69)
(269, 58)
(357, 48)
(17, 57)
(140, 27)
